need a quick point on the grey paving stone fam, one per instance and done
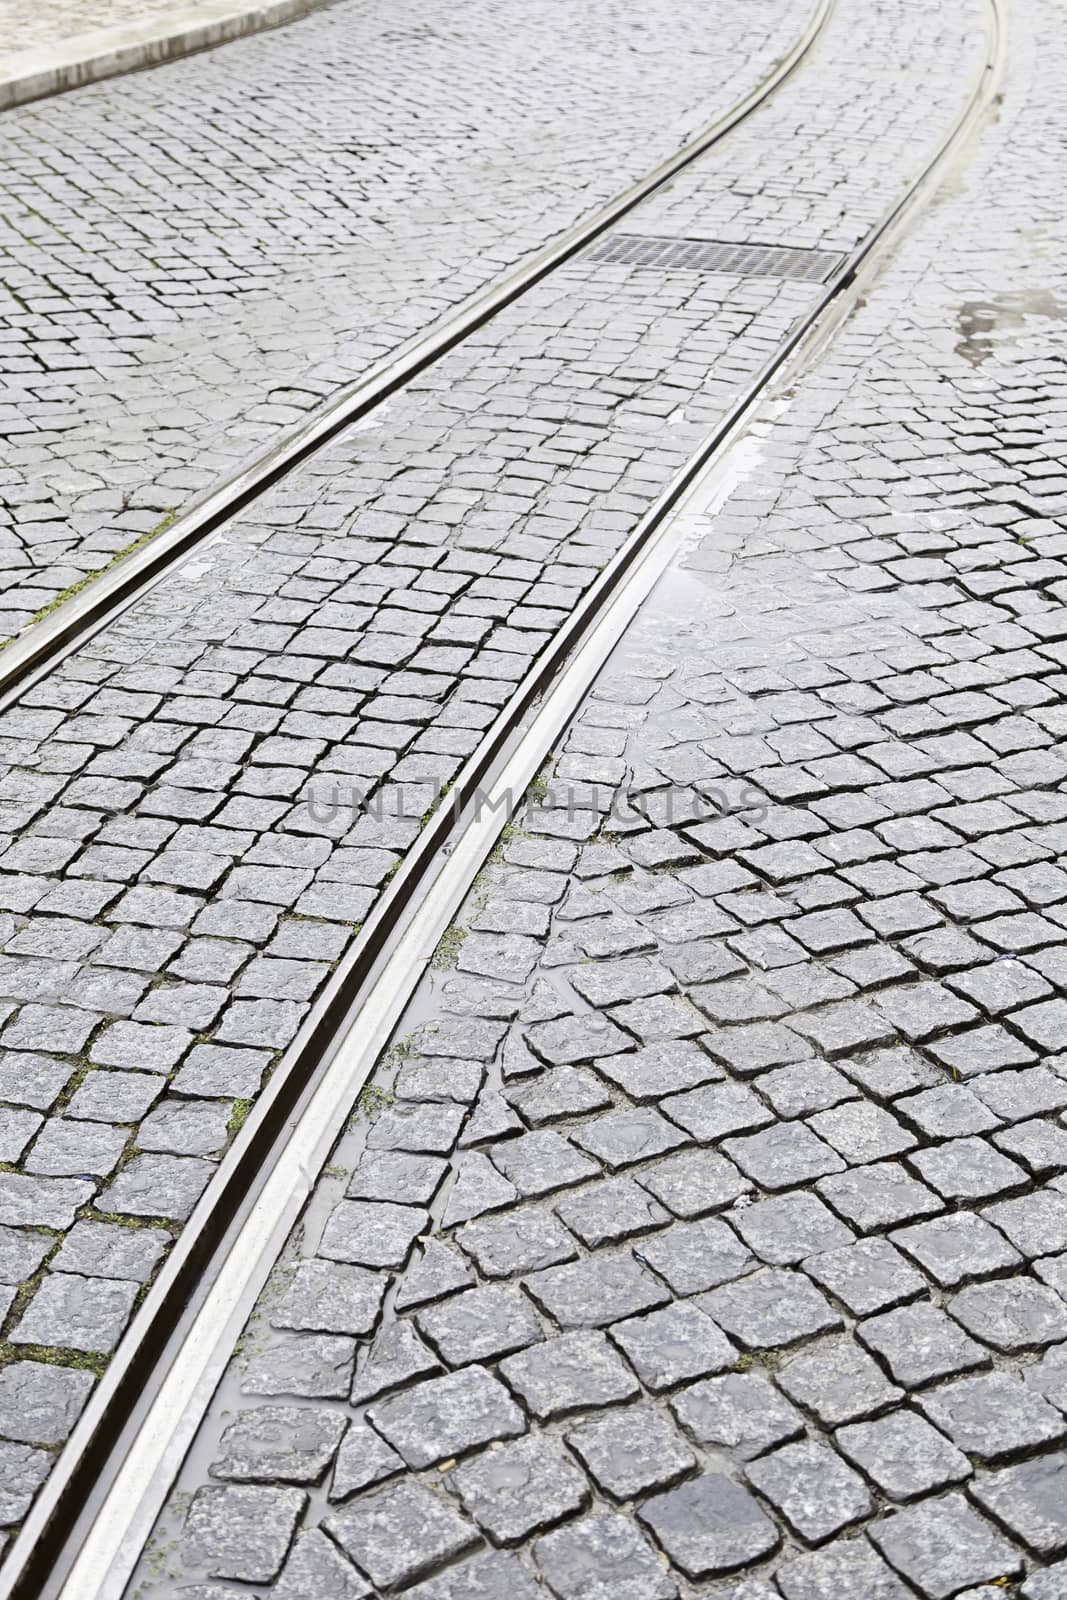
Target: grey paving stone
(590, 1294)
(804, 1087)
(141, 1046)
(870, 1275)
(157, 1186)
(889, 1072)
(32, 1080)
(76, 1149)
(1039, 1145)
(783, 1156)
(481, 1324)
(669, 1066)
(443, 1417)
(631, 1451)
(291, 1443)
(17, 1128)
(77, 1313)
(1035, 1223)
(812, 1488)
(1028, 1500)
(399, 1533)
(716, 1110)
(492, 1576)
(363, 1459)
(861, 1132)
(770, 1309)
(740, 1412)
(23, 1471)
(372, 1233)
(622, 1138)
(327, 1297)
(692, 1256)
(837, 1381)
(397, 1356)
(848, 1568)
(951, 1111)
(539, 1163)
(694, 1183)
(980, 1050)
(968, 1170)
(434, 1273)
(558, 1093)
(1032, 1092)
(573, 1372)
(479, 1188)
(197, 1128)
(608, 1212)
(1051, 1584)
(1048, 1375)
(397, 1176)
(943, 1546)
(785, 1229)
(993, 1416)
(576, 1038)
(420, 1129)
(710, 1526)
(241, 1531)
(749, 1589)
(919, 1343)
(674, 1345)
(956, 1248)
(1011, 1314)
(514, 1490)
(878, 1196)
(106, 1096)
(523, 1241)
(318, 1366)
(601, 1557)
(903, 1456)
(21, 1253)
(753, 1047)
(40, 1403)
(316, 1566)
(218, 1071)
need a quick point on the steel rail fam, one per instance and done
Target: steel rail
(43, 644)
(268, 1171)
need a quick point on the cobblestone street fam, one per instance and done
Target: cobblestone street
(703, 1230)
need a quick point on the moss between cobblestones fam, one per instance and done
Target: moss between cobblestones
(53, 1356)
(238, 1113)
(89, 1214)
(447, 952)
(76, 588)
(371, 1102)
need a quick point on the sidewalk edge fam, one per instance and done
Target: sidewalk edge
(109, 52)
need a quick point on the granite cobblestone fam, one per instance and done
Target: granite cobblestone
(845, 1372)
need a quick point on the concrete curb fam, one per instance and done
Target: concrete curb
(108, 52)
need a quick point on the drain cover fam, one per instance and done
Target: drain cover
(704, 255)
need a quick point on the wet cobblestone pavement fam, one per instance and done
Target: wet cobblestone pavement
(171, 904)
(705, 1230)
(193, 259)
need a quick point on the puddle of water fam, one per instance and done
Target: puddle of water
(980, 322)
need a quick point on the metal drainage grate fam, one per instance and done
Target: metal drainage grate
(701, 255)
